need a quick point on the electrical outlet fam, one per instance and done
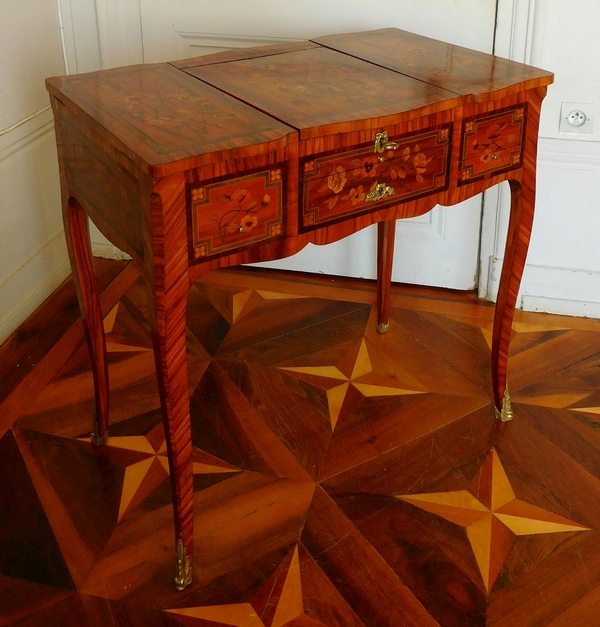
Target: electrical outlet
(577, 118)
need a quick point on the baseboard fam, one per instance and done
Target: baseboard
(565, 291)
(563, 306)
(21, 293)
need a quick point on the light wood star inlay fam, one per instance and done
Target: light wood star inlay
(492, 515)
(147, 465)
(278, 603)
(351, 373)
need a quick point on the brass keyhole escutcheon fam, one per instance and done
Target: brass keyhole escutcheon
(382, 143)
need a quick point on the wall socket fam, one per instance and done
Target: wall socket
(577, 118)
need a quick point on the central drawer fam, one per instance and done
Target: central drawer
(340, 184)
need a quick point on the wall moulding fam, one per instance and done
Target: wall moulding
(206, 43)
(23, 286)
(27, 130)
(565, 291)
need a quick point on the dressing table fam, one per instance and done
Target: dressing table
(251, 154)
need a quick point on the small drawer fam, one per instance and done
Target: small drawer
(335, 186)
(228, 214)
(491, 143)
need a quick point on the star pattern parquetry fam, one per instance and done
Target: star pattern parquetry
(147, 465)
(277, 603)
(305, 524)
(342, 380)
(492, 515)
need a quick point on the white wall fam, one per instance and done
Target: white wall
(563, 266)
(33, 257)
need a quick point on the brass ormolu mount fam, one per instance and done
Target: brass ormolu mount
(506, 413)
(381, 190)
(97, 439)
(183, 576)
(383, 327)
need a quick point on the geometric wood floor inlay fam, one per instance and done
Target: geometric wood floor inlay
(352, 371)
(492, 516)
(342, 478)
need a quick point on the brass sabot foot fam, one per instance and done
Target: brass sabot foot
(506, 414)
(383, 327)
(183, 577)
(97, 439)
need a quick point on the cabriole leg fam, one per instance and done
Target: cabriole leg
(169, 286)
(78, 243)
(517, 244)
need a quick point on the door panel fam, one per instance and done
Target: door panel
(439, 248)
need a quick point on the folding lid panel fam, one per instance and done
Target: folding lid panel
(459, 70)
(159, 115)
(320, 91)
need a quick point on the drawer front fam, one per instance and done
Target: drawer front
(337, 186)
(492, 143)
(227, 215)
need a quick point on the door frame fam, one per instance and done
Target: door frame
(520, 36)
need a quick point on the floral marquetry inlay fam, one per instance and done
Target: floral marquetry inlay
(334, 186)
(226, 215)
(491, 143)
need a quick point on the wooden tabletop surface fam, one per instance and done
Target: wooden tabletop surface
(160, 113)
(476, 75)
(318, 87)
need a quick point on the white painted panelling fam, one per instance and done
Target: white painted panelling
(120, 34)
(567, 220)
(27, 288)
(564, 260)
(33, 255)
(82, 43)
(561, 306)
(466, 22)
(168, 26)
(567, 291)
(572, 52)
(30, 50)
(563, 266)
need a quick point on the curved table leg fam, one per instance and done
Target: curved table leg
(386, 232)
(517, 243)
(169, 285)
(78, 244)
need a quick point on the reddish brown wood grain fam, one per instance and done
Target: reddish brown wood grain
(322, 92)
(160, 118)
(78, 244)
(169, 289)
(297, 519)
(475, 75)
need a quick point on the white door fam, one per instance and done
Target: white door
(440, 248)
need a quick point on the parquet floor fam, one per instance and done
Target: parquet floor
(342, 478)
